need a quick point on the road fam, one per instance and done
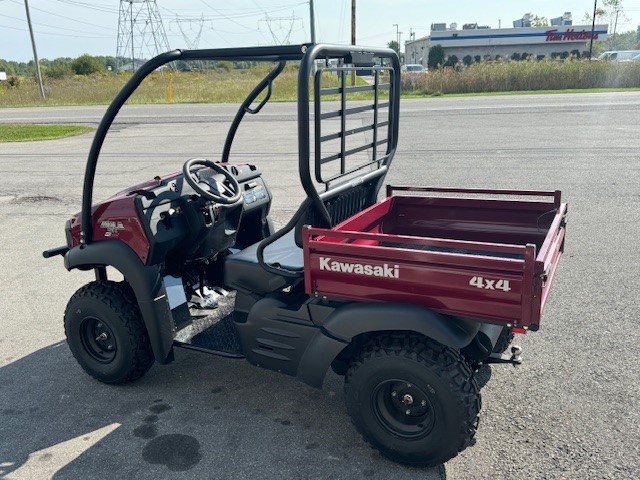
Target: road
(570, 412)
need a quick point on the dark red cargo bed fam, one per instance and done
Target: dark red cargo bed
(488, 259)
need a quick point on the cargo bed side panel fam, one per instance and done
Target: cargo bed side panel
(479, 287)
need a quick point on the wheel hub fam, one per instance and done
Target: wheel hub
(98, 340)
(403, 408)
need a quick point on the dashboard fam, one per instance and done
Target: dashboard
(182, 225)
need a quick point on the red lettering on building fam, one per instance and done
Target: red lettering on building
(569, 36)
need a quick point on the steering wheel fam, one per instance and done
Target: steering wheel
(219, 193)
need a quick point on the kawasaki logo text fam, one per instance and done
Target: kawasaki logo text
(386, 270)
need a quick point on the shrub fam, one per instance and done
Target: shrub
(58, 70)
(467, 60)
(436, 57)
(14, 81)
(87, 65)
(452, 61)
(518, 76)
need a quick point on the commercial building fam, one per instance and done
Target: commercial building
(490, 43)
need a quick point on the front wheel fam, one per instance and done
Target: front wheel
(106, 333)
(413, 399)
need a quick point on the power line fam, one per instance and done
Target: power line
(44, 24)
(89, 6)
(65, 17)
(54, 34)
(251, 13)
(225, 16)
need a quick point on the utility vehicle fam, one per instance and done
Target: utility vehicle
(405, 296)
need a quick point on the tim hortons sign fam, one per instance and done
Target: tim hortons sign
(570, 35)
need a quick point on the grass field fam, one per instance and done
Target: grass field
(16, 132)
(526, 76)
(232, 86)
(191, 87)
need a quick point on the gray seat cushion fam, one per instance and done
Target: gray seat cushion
(243, 272)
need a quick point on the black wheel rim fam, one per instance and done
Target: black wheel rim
(403, 408)
(98, 340)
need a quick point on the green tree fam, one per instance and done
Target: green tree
(467, 60)
(540, 21)
(58, 68)
(87, 65)
(622, 41)
(7, 67)
(393, 45)
(436, 56)
(611, 12)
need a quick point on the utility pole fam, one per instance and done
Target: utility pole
(353, 36)
(397, 36)
(133, 54)
(593, 28)
(353, 22)
(312, 19)
(35, 52)
(615, 25)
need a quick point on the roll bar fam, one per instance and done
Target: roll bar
(307, 54)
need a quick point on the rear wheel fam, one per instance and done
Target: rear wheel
(106, 333)
(412, 398)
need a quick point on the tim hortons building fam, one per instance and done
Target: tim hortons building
(489, 43)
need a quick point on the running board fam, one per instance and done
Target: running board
(216, 333)
(219, 353)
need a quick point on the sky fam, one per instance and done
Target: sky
(69, 28)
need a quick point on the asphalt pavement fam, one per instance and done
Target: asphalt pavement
(571, 411)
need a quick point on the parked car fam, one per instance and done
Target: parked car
(619, 55)
(414, 68)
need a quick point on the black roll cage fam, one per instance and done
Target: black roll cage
(307, 55)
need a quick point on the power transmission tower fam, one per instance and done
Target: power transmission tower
(192, 35)
(280, 24)
(140, 32)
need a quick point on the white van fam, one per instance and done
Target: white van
(619, 55)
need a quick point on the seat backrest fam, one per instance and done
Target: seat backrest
(340, 207)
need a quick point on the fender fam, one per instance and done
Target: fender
(355, 318)
(145, 281)
(349, 321)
